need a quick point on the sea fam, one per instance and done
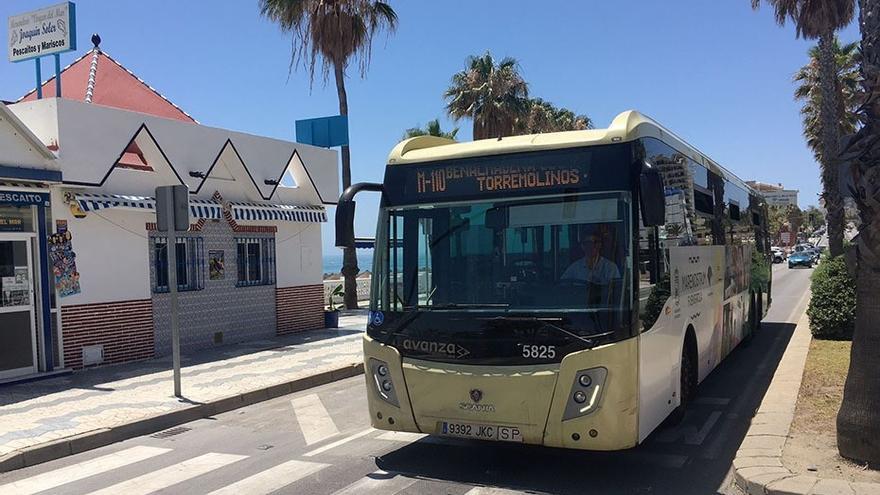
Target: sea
(332, 260)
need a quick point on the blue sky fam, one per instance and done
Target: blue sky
(717, 73)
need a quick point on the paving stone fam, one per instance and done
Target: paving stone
(753, 479)
(748, 462)
(866, 488)
(780, 430)
(759, 452)
(795, 485)
(763, 442)
(833, 487)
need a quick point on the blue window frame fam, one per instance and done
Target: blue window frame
(190, 263)
(255, 258)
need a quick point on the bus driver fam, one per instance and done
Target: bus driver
(593, 267)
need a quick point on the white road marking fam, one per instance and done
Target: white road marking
(712, 401)
(79, 471)
(172, 475)
(401, 436)
(490, 490)
(272, 479)
(313, 418)
(378, 483)
(341, 441)
(692, 436)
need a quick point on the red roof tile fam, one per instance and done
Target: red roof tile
(114, 86)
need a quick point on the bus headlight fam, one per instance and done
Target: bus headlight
(586, 393)
(382, 380)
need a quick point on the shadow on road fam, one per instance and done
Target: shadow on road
(693, 457)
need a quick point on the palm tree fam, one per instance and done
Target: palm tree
(334, 33)
(847, 89)
(494, 95)
(432, 128)
(543, 116)
(820, 19)
(858, 421)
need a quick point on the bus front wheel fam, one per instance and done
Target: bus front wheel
(688, 386)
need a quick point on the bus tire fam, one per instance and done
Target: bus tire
(688, 377)
(752, 325)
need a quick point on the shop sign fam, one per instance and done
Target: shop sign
(42, 32)
(11, 224)
(17, 198)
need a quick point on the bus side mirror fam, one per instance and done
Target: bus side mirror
(653, 199)
(345, 212)
(345, 224)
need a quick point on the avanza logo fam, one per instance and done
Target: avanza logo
(450, 349)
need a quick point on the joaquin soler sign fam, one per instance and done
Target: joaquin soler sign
(42, 32)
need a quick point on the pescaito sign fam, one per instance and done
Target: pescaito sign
(42, 32)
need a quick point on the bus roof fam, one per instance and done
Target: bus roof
(627, 126)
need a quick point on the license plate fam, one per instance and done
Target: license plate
(481, 432)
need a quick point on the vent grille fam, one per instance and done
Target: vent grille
(171, 432)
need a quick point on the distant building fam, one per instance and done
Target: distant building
(776, 195)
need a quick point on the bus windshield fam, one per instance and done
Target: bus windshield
(558, 253)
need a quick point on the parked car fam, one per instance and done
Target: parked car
(778, 254)
(801, 258)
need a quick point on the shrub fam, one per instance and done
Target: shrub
(832, 309)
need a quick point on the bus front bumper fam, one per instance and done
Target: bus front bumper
(536, 402)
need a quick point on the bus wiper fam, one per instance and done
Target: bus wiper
(467, 305)
(548, 322)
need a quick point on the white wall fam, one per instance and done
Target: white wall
(111, 253)
(298, 254)
(20, 144)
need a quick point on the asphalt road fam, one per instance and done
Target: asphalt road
(319, 442)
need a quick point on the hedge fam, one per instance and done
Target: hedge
(832, 309)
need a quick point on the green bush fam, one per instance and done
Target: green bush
(832, 308)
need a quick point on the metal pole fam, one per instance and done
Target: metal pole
(39, 79)
(171, 248)
(57, 76)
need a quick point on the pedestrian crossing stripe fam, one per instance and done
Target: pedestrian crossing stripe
(314, 420)
(171, 475)
(80, 471)
(272, 479)
(376, 483)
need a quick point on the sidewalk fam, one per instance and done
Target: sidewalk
(758, 465)
(52, 418)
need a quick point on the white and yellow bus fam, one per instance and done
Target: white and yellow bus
(567, 289)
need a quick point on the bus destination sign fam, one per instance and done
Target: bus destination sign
(573, 170)
(483, 178)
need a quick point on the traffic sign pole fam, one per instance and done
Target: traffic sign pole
(171, 249)
(172, 216)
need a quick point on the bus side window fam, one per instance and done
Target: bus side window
(653, 275)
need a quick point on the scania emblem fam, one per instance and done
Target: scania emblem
(476, 395)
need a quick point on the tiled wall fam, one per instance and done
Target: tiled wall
(300, 308)
(240, 313)
(124, 328)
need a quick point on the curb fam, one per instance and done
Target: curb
(76, 444)
(758, 467)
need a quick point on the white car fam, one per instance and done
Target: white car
(778, 254)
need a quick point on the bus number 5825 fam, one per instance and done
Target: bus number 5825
(538, 351)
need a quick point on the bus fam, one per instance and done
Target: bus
(565, 289)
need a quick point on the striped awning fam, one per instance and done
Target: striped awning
(198, 208)
(287, 213)
(364, 242)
